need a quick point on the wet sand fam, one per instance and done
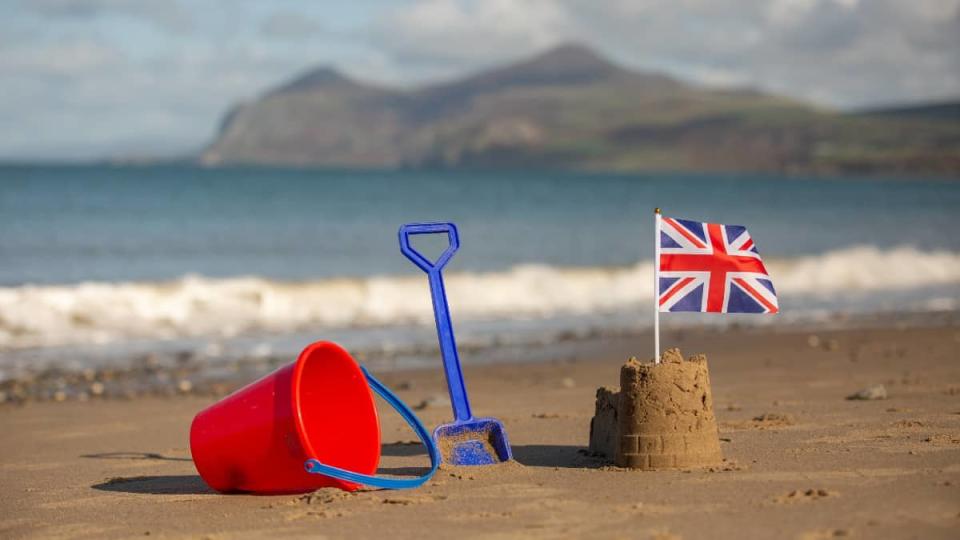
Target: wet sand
(801, 461)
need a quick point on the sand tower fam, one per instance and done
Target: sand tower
(661, 418)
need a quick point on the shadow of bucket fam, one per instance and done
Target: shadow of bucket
(317, 408)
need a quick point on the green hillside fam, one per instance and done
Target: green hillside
(570, 108)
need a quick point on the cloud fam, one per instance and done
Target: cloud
(443, 36)
(88, 78)
(58, 60)
(165, 14)
(290, 25)
(837, 52)
(80, 98)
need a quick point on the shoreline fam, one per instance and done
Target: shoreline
(172, 372)
(802, 461)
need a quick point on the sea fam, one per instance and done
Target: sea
(100, 263)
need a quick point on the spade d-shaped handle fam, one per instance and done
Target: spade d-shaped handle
(429, 228)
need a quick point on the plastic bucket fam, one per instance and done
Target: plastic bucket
(319, 408)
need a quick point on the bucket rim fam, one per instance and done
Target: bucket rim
(295, 382)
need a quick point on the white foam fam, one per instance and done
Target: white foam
(194, 306)
(864, 268)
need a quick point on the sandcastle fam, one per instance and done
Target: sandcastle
(661, 418)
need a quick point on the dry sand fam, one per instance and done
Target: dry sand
(801, 460)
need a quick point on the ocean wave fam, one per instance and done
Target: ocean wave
(195, 306)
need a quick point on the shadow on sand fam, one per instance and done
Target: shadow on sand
(134, 455)
(185, 484)
(531, 455)
(555, 455)
(403, 449)
(192, 484)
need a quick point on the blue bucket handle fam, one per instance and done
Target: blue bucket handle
(314, 466)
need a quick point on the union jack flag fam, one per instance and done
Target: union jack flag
(714, 268)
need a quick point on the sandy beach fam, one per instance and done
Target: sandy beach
(801, 460)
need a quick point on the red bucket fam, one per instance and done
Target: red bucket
(258, 438)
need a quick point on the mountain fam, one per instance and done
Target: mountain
(571, 108)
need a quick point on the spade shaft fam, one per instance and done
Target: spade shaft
(441, 310)
(448, 349)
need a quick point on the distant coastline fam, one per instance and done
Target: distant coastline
(569, 108)
(192, 162)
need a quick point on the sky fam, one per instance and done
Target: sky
(88, 79)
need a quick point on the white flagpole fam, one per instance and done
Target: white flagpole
(656, 287)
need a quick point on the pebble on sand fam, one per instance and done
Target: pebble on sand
(433, 401)
(877, 391)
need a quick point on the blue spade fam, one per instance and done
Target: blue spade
(466, 440)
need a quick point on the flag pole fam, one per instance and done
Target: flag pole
(656, 287)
